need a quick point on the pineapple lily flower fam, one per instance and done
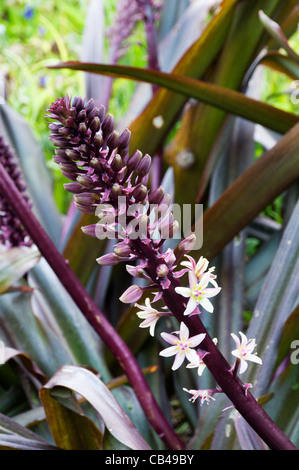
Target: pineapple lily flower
(150, 316)
(244, 351)
(198, 292)
(182, 346)
(204, 395)
(199, 268)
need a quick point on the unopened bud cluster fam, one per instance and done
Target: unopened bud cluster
(96, 159)
(12, 232)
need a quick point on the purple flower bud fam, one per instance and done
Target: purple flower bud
(98, 142)
(89, 106)
(108, 125)
(81, 116)
(73, 154)
(96, 164)
(58, 159)
(156, 196)
(64, 131)
(112, 140)
(124, 140)
(88, 209)
(74, 188)
(82, 128)
(162, 270)
(187, 244)
(70, 122)
(95, 125)
(134, 161)
(131, 295)
(140, 193)
(122, 249)
(86, 181)
(117, 163)
(144, 166)
(85, 198)
(102, 112)
(89, 230)
(111, 259)
(116, 191)
(137, 271)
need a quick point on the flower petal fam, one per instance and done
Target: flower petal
(184, 332)
(169, 338)
(196, 340)
(254, 358)
(207, 305)
(179, 359)
(243, 366)
(184, 291)
(191, 306)
(211, 291)
(171, 351)
(236, 340)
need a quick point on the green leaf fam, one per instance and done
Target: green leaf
(30, 366)
(275, 304)
(51, 301)
(281, 63)
(283, 407)
(20, 329)
(15, 436)
(14, 263)
(276, 32)
(268, 177)
(230, 101)
(12, 442)
(89, 386)
(70, 427)
(203, 127)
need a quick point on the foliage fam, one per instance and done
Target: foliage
(217, 110)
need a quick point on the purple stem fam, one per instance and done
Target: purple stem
(231, 385)
(151, 37)
(88, 308)
(153, 63)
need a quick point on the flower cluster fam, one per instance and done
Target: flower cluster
(128, 13)
(12, 232)
(109, 182)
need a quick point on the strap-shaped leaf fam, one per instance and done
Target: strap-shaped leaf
(14, 263)
(228, 100)
(276, 32)
(268, 177)
(89, 386)
(15, 436)
(276, 301)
